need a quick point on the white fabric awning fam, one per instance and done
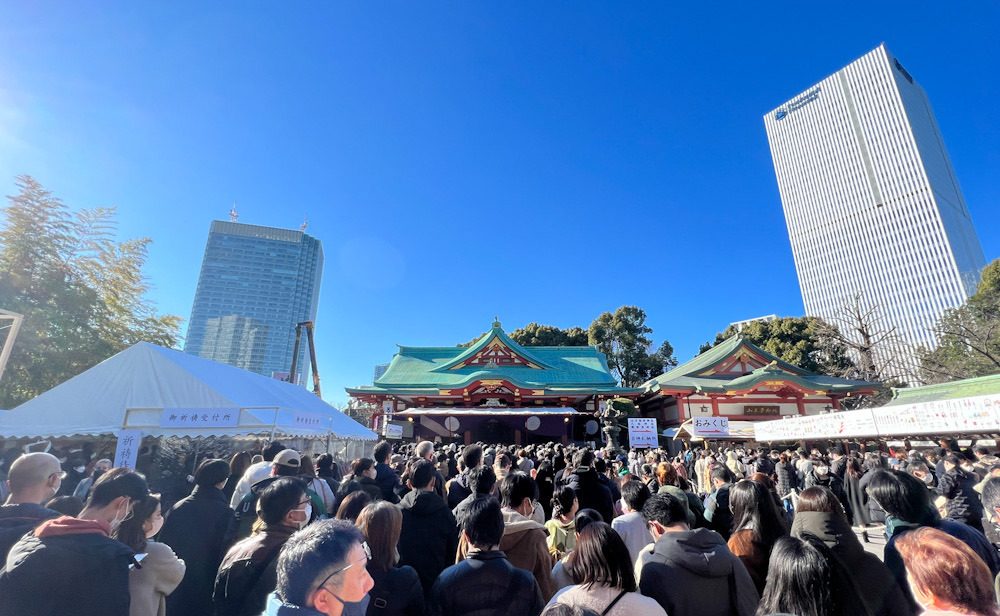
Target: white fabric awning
(490, 410)
(131, 390)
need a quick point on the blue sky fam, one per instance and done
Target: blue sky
(459, 160)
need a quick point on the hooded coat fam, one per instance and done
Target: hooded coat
(429, 537)
(67, 566)
(693, 572)
(525, 545)
(875, 584)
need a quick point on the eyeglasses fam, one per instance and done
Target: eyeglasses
(368, 556)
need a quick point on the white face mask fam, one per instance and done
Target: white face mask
(308, 516)
(822, 470)
(80, 469)
(115, 523)
(928, 479)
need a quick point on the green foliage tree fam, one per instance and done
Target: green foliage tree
(534, 334)
(801, 341)
(968, 336)
(622, 337)
(82, 294)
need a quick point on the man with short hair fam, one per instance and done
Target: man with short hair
(32, 481)
(482, 479)
(386, 477)
(590, 491)
(717, 511)
(632, 527)
(255, 473)
(485, 581)
(458, 488)
(425, 450)
(322, 570)
(71, 565)
(692, 572)
(524, 539)
(286, 464)
(427, 541)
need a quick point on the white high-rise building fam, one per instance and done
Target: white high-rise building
(872, 203)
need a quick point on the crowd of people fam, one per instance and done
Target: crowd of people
(549, 529)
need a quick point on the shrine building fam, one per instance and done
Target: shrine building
(739, 380)
(495, 391)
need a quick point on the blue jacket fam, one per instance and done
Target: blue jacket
(275, 607)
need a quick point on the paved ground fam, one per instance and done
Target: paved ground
(876, 538)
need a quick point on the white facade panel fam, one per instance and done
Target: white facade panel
(871, 201)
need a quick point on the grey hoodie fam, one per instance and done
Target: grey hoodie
(693, 573)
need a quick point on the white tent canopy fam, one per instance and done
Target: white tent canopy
(133, 389)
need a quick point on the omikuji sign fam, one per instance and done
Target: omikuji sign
(711, 427)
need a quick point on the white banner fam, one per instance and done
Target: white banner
(642, 433)
(128, 448)
(711, 427)
(200, 418)
(312, 421)
(393, 431)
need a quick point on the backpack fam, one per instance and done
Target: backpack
(246, 509)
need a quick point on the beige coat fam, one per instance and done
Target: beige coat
(149, 586)
(598, 597)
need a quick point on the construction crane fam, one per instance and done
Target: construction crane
(308, 325)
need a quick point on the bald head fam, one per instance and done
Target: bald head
(34, 477)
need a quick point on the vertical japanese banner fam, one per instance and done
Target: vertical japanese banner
(128, 448)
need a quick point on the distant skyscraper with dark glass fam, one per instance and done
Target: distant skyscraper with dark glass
(256, 283)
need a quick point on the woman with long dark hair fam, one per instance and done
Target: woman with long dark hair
(160, 571)
(757, 524)
(602, 570)
(799, 581)
(857, 500)
(397, 590)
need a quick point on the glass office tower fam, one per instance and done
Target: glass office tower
(871, 201)
(256, 283)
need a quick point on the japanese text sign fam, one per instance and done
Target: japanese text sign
(200, 418)
(642, 432)
(711, 427)
(311, 421)
(127, 450)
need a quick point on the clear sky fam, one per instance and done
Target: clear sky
(459, 160)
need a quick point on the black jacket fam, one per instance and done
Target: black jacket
(786, 476)
(18, 520)
(592, 493)
(429, 539)
(830, 480)
(722, 515)
(693, 572)
(458, 490)
(485, 584)
(249, 573)
(199, 529)
(387, 479)
(397, 592)
(83, 574)
(963, 502)
(463, 508)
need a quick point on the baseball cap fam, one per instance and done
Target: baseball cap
(288, 457)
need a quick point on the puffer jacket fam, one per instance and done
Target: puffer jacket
(787, 478)
(67, 566)
(693, 572)
(17, 521)
(484, 584)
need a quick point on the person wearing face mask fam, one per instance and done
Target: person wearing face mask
(33, 479)
(821, 475)
(364, 472)
(249, 570)
(322, 571)
(82, 490)
(286, 464)
(72, 565)
(160, 571)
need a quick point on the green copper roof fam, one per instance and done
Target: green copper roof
(686, 377)
(559, 368)
(980, 386)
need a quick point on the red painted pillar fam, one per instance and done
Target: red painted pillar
(468, 437)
